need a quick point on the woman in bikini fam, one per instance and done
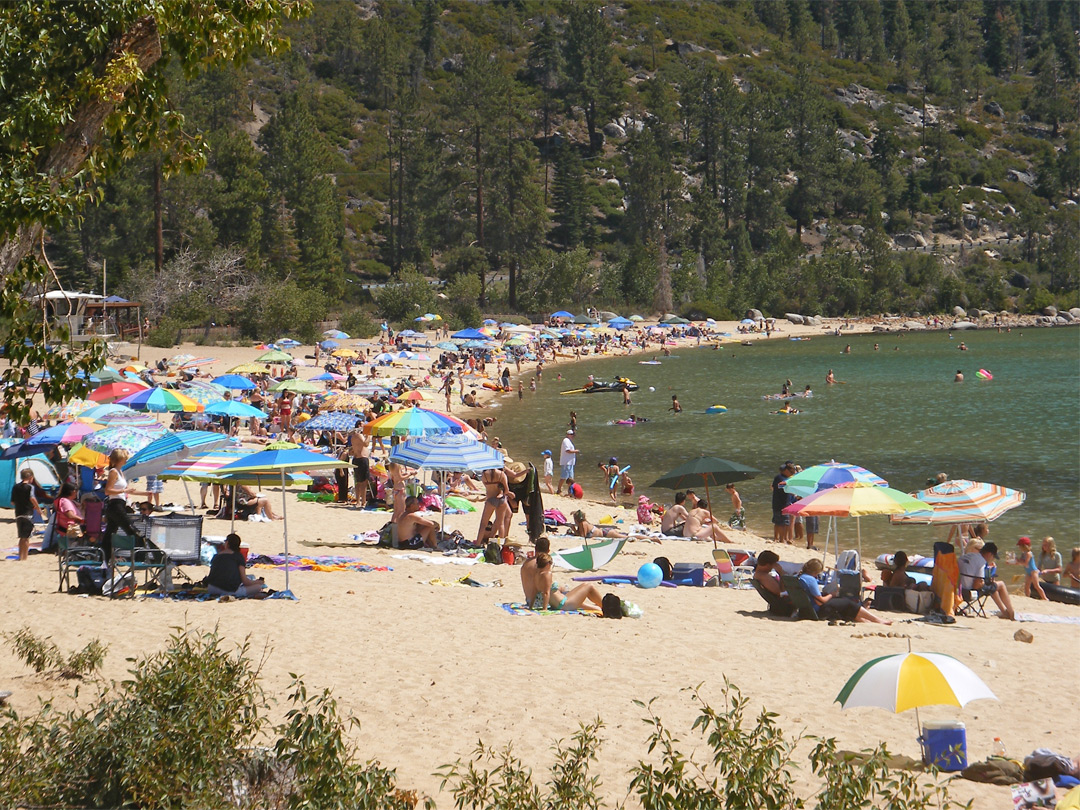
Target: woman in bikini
(542, 593)
(398, 474)
(495, 518)
(582, 528)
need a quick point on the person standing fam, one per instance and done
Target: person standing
(360, 449)
(626, 396)
(26, 506)
(116, 495)
(675, 406)
(549, 471)
(567, 460)
(781, 522)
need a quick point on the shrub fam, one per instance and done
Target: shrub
(43, 656)
(358, 324)
(165, 334)
(405, 298)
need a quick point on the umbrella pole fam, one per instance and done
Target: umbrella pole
(232, 511)
(708, 500)
(285, 526)
(191, 503)
(858, 531)
(442, 501)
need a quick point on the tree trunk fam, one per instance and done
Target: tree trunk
(159, 240)
(83, 134)
(480, 211)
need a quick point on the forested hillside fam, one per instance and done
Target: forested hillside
(822, 156)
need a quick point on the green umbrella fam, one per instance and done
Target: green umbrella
(296, 386)
(707, 471)
(274, 356)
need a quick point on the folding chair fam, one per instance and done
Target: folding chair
(128, 554)
(777, 605)
(804, 606)
(729, 573)
(972, 601)
(72, 558)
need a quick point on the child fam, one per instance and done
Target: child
(521, 391)
(548, 471)
(532, 384)
(675, 406)
(738, 516)
(1031, 568)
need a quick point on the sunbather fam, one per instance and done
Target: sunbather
(412, 527)
(831, 606)
(542, 593)
(582, 528)
(767, 574)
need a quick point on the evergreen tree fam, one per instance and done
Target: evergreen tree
(812, 142)
(857, 44)
(570, 198)
(1051, 102)
(546, 68)
(238, 201)
(875, 31)
(901, 42)
(765, 159)
(595, 75)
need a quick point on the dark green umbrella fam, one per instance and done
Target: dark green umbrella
(707, 471)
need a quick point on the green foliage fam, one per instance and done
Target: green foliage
(166, 333)
(286, 309)
(358, 324)
(407, 297)
(462, 294)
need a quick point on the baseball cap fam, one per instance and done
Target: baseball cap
(992, 548)
(1024, 541)
(546, 453)
(570, 433)
(613, 460)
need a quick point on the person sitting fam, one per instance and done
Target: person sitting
(831, 606)
(700, 525)
(68, 513)
(228, 572)
(415, 531)
(582, 528)
(898, 576)
(674, 519)
(767, 573)
(1071, 571)
(977, 571)
(543, 593)
(246, 498)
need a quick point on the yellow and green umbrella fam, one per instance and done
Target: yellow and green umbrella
(249, 368)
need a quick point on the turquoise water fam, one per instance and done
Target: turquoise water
(899, 414)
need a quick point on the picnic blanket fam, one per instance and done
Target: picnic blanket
(324, 564)
(1044, 618)
(521, 609)
(439, 559)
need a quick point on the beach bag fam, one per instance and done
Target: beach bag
(386, 534)
(493, 553)
(91, 579)
(611, 606)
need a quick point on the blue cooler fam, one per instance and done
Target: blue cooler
(944, 745)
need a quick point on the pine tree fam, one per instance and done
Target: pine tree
(546, 68)
(901, 42)
(595, 75)
(238, 202)
(570, 198)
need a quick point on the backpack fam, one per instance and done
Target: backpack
(91, 578)
(493, 553)
(612, 606)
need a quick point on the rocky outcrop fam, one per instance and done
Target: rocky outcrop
(914, 325)
(909, 240)
(1051, 311)
(994, 108)
(795, 318)
(961, 325)
(959, 312)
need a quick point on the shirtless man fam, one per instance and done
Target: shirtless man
(397, 481)
(700, 525)
(360, 450)
(411, 525)
(496, 512)
(542, 593)
(674, 519)
(830, 378)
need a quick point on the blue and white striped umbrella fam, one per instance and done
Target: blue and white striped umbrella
(162, 453)
(331, 421)
(449, 452)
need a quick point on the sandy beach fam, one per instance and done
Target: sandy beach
(431, 668)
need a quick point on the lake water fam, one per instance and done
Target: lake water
(898, 414)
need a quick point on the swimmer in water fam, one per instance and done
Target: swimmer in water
(876, 347)
(847, 349)
(675, 406)
(830, 378)
(962, 347)
(959, 376)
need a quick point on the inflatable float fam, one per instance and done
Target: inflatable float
(716, 409)
(788, 412)
(1059, 593)
(648, 362)
(490, 386)
(983, 374)
(629, 422)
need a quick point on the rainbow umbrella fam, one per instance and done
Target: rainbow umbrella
(415, 422)
(963, 501)
(909, 680)
(44, 440)
(69, 410)
(161, 400)
(111, 392)
(416, 395)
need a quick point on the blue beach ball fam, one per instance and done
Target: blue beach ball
(649, 575)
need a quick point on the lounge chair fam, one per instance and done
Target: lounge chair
(778, 605)
(804, 605)
(729, 573)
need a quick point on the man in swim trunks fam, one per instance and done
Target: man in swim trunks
(830, 378)
(674, 519)
(413, 527)
(360, 449)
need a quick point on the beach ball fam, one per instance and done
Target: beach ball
(649, 575)
(652, 389)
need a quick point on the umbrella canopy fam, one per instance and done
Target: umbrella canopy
(204, 396)
(336, 334)
(68, 410)
(247, 368)
(43, 441)
(95, 448)
(289, 343)
(415, 422)
(448, 452)
(165, 451)
(620, 323)
(274, 356)
(469, 334)
(588, 557)
(160, 400)
(329, 344)
(201, 466)
(963, 501)
(910, 680)
(369, 389)
(855, 500)
(562, 313)
(331, 421)
(829, 475)
(706, 471)
(446, 346)
(348, 403)
(236, 382)
(119, 415)
(327, 376)
(296, 386)
(110, 392)
(636, 318)
(347, 353)
(238, 410)
(416, 395)
(674, 319)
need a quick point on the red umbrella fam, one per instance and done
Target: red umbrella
(110, 392)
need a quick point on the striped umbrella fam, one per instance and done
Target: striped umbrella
(829, 475)
(204, 396)
(296, 386)
(327, 376)
(45, 440)
(369, 390)
(963, 501)
(415, 422)
(170, 448)
(69, 410)
(94, 450)
(118, 415)
(161, 400)
(331, 421)
(909, 680)
(203, 466)
(416, 395)
(111, 392)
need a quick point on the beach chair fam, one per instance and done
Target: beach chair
(778, 606)
(804, 606)
(129, 557)
(729, 573)
(972, 601)
(72, 558)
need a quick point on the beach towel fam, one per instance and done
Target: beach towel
(440, 559)
(324, 564)
(946, 577)
(465, 582)
(1044, 618)
(521, 609)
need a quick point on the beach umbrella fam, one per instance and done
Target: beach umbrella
(202, 465)
(748, 321)
(447, 453)
(296, 386)
(368, 389)
(385, 357)
(674, 319)
(620, 323)
(588, 557)
(45, 440)
(469, 334)
(585, 319)
(275, 356)
(331, 421)
(282, 462)
(234, 409)
(963, 501)
(68, 410)
(93, 451)
(246, 368)
(415, 421)
(166, 450)
(329, 345)
(204, 396)
(110, 392)
(416, 395)
(119, 416)
(289, 343)
(336, 334)
(706, 471)
(236, 382)
(446, 346)
(327, 376)
(910, 680)
(562, 313)
(349, 403)
(346, 353)
(636, 318)
(160, 400)
(206, 385)
(404, 355)
(411, 333)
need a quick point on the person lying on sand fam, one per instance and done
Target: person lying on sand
(543, 593)
(582, 528)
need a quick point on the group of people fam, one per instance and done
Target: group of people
(768, 575)
(787, 528)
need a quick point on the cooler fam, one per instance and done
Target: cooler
(944, 745)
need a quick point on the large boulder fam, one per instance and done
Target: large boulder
(755, 315)
(1061, 321)
(1075, 312)
(1068, 316)
(1019, 280)
(910, 240)
(813, 320)
(971, 222)
(1051, 311)
(914, 325)
(994, 108)
(959, 312)
(613, 130)
(795, 318)
(961, 325)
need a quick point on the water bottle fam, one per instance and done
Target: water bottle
(998, 748)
